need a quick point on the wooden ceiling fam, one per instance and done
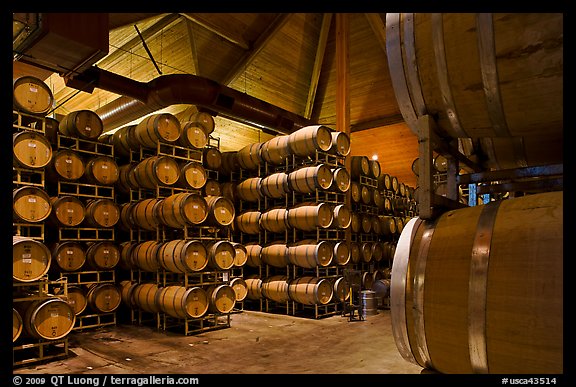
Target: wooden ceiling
(287, 60)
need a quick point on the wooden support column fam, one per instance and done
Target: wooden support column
(342, 91)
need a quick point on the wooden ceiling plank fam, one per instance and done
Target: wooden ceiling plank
(205, 22)
(193, 53)
(323, 39)
(379, 28)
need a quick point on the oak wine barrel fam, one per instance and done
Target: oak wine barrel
(145, 255)
(193, 135)
(67, 210)
(193, 175)
(102, 213)
(309, 179)
(275, 288)
(249, 189)
(276, 151)
(161, 127)
(310, 290)
(30, 204)
(83, 124)
(182, 256)
(31, 259)
(182, 209)
(274, 220)
(241, 255)
(340, 144)
(68, 255)
(220, 211)
(240, 288)
(30, 150)
(46, 319)
(253, 250)
(32, 95)
(310, 216)
(254, 287)
(310, 254)
(66, 165)
(103, 297)
(275, 185)
(144, 297)
(101, 170)
(221, 298)
(156, 171)
(248, 222)
(17, 325)
(212, 158)
(220, 254)
(181, 302)
(275, 254)
(102, 255)
(308, 140)
(248, 157)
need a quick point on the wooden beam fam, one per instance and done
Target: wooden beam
(206, 22)
(320, 50)
(193, 53)
(342, 73)
(379, 28)
(377, 123)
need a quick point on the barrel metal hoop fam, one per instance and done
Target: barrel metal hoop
(443, 77)
(418, 291)
(394, 54)
(477, 288)
(411, 66)
(398, 289)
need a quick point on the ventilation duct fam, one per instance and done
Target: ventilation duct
(140, 98)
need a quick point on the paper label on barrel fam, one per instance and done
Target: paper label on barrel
(27, 261)
(33, 89)
(32, 145)
(32, 200)
(68, 161)
(106, 251)
(69, 210)
(104, 166)
(195, 206)
(222, 211)
(26, 255)
(105, 213)
(54, 315)
(224, 276)
(88, 128)
(195, 253)
(69, 252)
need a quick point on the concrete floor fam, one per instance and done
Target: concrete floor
(254, 343)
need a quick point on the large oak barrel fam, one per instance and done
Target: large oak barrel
(181, 302)
(66, 165)
(248, 157)
(220, 211)
(342, 216)
(30, 204)
(126, 180)
(17, 325)
(248, 189)
(248, 222)
(84, 124)
(341, 181)
(204, 119)
(32, 95)
(309, 179)
(359, 166)
(30, 150)
(144, 297)
(228, 163)
(145, 255)
(254, 287)
(310, 290)
(144, 213)
(220, 254)
(241, 255)
(101, 170)
(161, 127)
(124, 141)
(275, 185)
(494, 77)
(310, 254)
(275, 254)
(156, 170)
(102, 212)
(340, 144)
(480, 289)
(355, 252)
(67, 210)
(212, 188)
(275, 288)
(240, 288)
(50, 319)
(274, 220)
(308, 140)
(30, 259)
(182, 256)
(182, 209)
(102, 255)
(193, 135)
(276, 150)
(341, 253)
(310, 216)
(103, 297)
(127, 293)
(341, 289)
(253, 250)
(213, 159)
(193, 175)
(222, 298)
(68, 255)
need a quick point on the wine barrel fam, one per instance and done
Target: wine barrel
(341, 253)
(359, 166)
(275, 288)
(144, 297)
(83, 124)
(275, 254)
(355, 222)
(355, 191)
(145, 255)
(275, 220)
(102, 255)
(342, 216)
(181, 302)
(276, 150)
(308, 140)
(66, 165)
(49, 126)
(248, 189)
(374, 170)
(382, 289)
(125, 262)
(310, 290)
(156, 171)
(46, 319)
(101, 170)
(30, 259)
(498, 269)
(254, 287)
(341, 180)
(182, 256)
(474, 74)
(367, 280)
(241, 255)
(355, 252)
(416, 166)
(366, 251)
(388, 225)
(240, 288)
(124, 141)
(220, 211)
(182, 209)
(221, 298)
(102, 213)
(220, 254)
(365, 194)
(384, 182)
(253, 250)
(193, 135)
(17, 325)
(340, 290)
(228, 163)
(212, 188)
(377, 251)
(67, 211)
(212, 158)
(143, 213)
(309, 179)
(68, 255)
(30, 204)
(192, 175)
(103, 297)
(161, 127)
(310, 254)
(30, 150)
(248, 157)
(310, 216)
(248, 222)
(275, 185)
(126, 180)
(204, 119)
(31, 95)
(340, 144)
(127, 293)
